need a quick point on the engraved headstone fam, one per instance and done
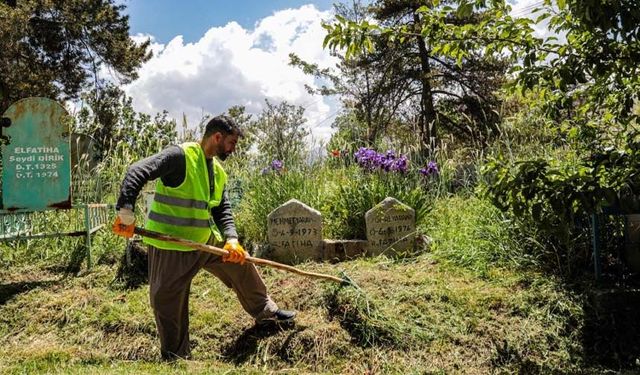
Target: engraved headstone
(36, 170)
(295, 233)
(391, 228)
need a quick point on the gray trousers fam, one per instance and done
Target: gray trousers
(170, 275)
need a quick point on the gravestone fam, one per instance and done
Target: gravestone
(391, 228)
(295, 233)
(36, 171)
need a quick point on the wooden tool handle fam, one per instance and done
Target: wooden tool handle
(218, 251)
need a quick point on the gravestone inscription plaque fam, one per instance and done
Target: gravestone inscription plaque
(36, 170)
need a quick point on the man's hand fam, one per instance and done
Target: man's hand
(236, 252)
(126, 216)
(125, 223)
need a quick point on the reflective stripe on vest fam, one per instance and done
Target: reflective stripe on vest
(180, 221)
(184, 211)
(180, 202)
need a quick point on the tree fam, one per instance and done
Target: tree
(370, 91)
(280, 133)
(239, 115)
(449, 57)
(243, 158)
(588, 86)
(349, 133)
(110, 119)
(591, 82)
(55, 48)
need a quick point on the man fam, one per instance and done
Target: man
(190, 202)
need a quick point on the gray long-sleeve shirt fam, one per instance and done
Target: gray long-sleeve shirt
(169, 165)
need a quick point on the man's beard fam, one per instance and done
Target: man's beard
(222, 154)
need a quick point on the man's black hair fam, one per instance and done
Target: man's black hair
(223, 124)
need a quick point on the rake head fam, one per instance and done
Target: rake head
(347, 281)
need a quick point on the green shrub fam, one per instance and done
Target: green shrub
(557, 196)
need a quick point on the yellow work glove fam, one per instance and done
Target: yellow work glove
(236, 252)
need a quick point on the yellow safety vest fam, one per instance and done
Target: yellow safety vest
(185, 211)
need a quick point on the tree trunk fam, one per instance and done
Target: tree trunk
(372, 130)
(428, 120)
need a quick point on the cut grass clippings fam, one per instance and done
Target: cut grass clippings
(359, 316)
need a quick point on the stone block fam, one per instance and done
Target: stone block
(339, 250)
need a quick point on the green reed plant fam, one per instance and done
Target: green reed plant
(362, 191)
(342, 192)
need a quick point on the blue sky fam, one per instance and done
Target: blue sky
(164, 19)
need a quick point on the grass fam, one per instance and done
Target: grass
(440, 319)
(473, 234)
(342, 196)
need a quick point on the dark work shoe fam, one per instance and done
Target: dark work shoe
(284, 317)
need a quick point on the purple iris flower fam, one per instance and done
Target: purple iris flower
(401, 164)
(430, 170)
(371, 160)
(367, 158)
(277, 165)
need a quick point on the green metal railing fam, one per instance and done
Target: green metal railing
(80, 221)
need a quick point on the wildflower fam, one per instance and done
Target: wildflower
(400, 164)
(277, 165)
(370, 159)
(367, 158)
(430, 170)
(335, 153)
(390, 155)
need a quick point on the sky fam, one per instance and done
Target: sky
(164, 19)
(211, 55)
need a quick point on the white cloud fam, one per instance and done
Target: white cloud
(231, 65)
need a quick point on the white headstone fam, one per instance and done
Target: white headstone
(295, 233)
(391, 228)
